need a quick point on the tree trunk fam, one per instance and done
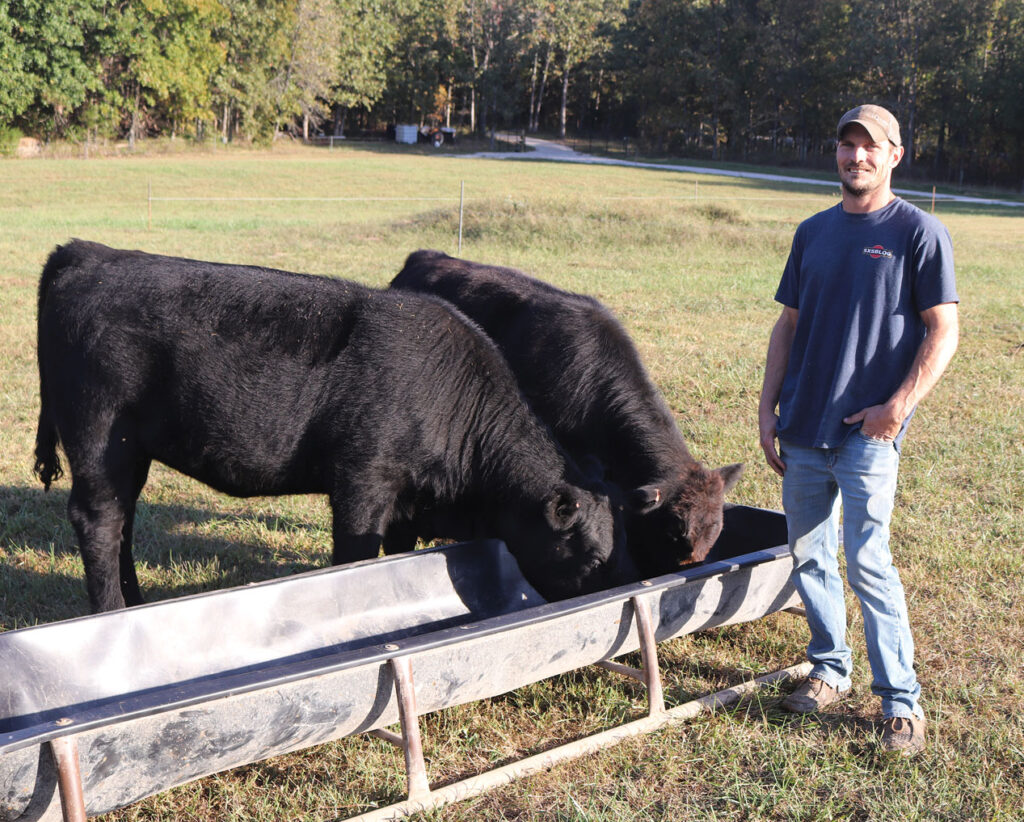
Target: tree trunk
(714, 130)
(909, 124)
(533, 94)
(543, 88)
(133, 129)
(472, 91)
(940, 152)
(565, 100)
(487, 105)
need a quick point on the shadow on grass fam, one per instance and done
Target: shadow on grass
(37, 544)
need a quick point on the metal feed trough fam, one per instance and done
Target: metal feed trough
(99, 712)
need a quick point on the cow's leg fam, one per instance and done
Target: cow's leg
(361, 516)
(400, 537)
(128, 578)
(99, 519)
(101, 507)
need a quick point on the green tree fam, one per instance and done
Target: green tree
(421, 60)
(366, 41)
(16, 83)
(679, 79)
(577, 31)
(168, 58)
(1003, 89)
(255, 35)
(802, 77)
(496, 35)
(61, 42)
(312, 64)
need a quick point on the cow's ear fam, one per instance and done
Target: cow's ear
(645, 499)
(731, 475)
(563, 510)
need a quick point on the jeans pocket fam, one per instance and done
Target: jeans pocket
(875, 440)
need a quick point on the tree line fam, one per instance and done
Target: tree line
(754, 80)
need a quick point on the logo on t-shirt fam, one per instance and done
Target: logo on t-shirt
(877, 252)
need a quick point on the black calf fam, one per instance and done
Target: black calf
(261, 382)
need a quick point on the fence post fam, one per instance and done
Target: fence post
(462, 197)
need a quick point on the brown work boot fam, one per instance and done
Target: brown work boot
(903, 736)
(811, 695)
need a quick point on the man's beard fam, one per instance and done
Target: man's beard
(860, 188)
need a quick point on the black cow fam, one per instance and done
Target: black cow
(583, 376)
(260, 382)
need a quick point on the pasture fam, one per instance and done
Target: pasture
(691, 271)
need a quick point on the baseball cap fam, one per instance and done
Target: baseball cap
(881, 125)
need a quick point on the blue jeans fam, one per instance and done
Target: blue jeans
(862, 474)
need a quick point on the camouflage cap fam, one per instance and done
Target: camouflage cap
(881, 125)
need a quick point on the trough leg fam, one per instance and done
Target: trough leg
(412, 744)
(650, 674)
(649, 656)
(69, 778)
(504, 775)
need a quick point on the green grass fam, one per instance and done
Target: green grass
(692, 279)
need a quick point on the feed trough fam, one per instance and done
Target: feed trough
(101, 711)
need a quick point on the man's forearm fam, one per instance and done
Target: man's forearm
(779, 346)
(933, 357)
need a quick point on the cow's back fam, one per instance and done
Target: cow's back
(252, 379)
(224, 366)
(95, 291)
(574, 360)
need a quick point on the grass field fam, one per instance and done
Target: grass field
(692, 278)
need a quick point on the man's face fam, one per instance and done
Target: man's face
(864, 165)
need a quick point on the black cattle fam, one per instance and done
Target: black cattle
(261, 382)
(584, 378)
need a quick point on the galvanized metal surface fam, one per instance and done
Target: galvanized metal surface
(164, 694)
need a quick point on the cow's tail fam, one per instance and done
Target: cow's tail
(47, 467)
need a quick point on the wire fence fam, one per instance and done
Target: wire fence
(461, 198)
(910, 196)
(151, 199)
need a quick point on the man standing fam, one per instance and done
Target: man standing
(869, 323)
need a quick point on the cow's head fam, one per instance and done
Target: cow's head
(572, 544)
(676, 522)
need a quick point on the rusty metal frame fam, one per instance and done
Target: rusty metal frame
(499, 777)
(410, 741)
(422, 798)
(69, 778)
(649, 673)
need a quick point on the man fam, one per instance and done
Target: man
(868, 325)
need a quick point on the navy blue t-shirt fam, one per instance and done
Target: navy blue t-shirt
(859, 282)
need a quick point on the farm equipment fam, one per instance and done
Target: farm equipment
(98, 712)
